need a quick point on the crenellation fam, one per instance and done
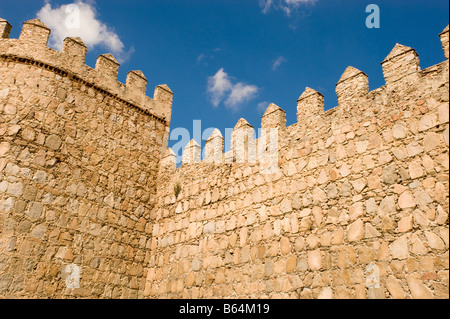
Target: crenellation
(243, 145)
(163, 94)
(5, 29)
(35, 32)
(402, 61)
(361, 186)
(214, 147)
(83, 156)
(162, 101)
(274, 117)
(75, 48)
(136, 83)
(136, 87)
(310, 107)
(191, 153)
(108, 68)
(31, 48)
(87, 178)
(351, 90)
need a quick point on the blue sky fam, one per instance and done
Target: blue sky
(227, 59)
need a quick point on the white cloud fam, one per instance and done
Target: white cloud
(241, 93)
(221, 88)
(218, 85)
(80, 20)
(285, 5)
(278, 61)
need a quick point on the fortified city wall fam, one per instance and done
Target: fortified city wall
(363, 184)
(79, 156)
(85, 179)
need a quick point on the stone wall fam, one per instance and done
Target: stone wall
(86, 179)
(79, 156)
(362, 185)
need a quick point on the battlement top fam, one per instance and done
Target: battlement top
(31, 48)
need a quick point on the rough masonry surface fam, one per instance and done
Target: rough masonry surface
(86, 178)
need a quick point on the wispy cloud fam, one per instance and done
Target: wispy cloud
(284, 5)
(278, 61)
(204, 58)
(222, 89)
(200, 58)
(265, 5)
(241, 93)
(79, 19)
